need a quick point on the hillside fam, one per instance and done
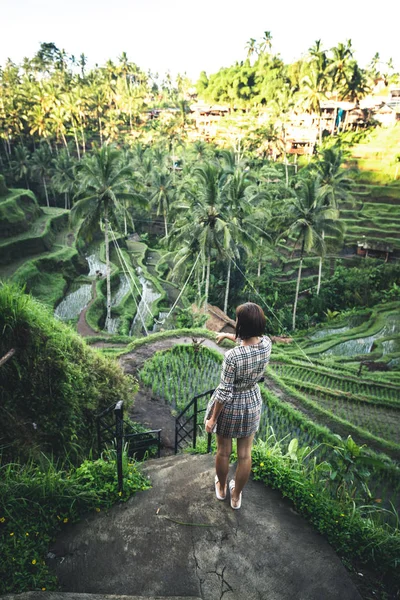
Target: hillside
(53, 385)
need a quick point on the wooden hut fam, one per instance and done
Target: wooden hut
(374, 249)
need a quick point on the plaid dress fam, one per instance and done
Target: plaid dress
(238, 391)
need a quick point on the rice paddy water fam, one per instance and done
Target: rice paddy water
(149, 295)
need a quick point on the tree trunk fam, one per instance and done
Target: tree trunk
(76, 142)
(125, 225)
(65, 144)
(199, 286)
(165, 224)
(207, 282)
(320, 268)
(45, 191)
(286, 170)
(228, 281)
(108, 318)
(100, 131)
(297, 293)
(83, 140)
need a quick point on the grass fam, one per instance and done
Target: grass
(38, 500)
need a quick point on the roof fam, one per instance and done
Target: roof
(217, 319)
(375, 245)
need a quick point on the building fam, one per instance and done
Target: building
(374, 249)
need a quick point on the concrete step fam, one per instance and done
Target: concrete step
(75, 596)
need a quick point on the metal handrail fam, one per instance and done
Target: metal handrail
(181, 426)
(116, 431)
(193, 400)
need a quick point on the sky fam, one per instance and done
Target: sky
(183, 36)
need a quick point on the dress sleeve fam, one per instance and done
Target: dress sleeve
(223, 392)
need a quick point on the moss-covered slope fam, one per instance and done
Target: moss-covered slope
(54, 384)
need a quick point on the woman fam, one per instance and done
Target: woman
(235, 407)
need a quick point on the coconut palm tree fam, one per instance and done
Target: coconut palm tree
(64, 179)
(305, 219)
(21, 164)
(266, 42)
(202, 219)
(104, 182)
(251, 47)
(41, 166)
(162, 194)
(335, 184)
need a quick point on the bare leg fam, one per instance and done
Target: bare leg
(224, 449)
(244, 466)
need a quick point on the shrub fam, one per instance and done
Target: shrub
(38, 500)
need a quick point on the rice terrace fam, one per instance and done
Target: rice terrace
(135, 215)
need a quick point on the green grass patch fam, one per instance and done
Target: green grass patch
(38, 500)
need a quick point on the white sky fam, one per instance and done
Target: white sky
(183, 36)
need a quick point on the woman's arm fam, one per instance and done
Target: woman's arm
(211, 422)
(222, 336)
(223, 393)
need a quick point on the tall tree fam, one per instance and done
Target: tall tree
(41, 167)
(306, 217)
(104, 182)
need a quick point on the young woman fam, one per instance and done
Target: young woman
(235, 407)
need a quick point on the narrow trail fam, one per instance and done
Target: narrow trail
(82, 327)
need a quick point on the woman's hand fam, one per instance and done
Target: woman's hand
(220, 337)
(210, 424)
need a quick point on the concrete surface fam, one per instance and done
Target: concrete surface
(177, 540)
(73, 596)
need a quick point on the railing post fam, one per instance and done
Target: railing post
(119, 433)
(195, 424)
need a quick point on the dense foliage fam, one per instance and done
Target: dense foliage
(52, 387)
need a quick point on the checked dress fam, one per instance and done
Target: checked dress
(238, 391)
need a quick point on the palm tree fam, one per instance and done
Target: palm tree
(251, 47)
(64, 178)
(104, 182)
(336, 185)
(21, 164)
(162, 194)
(266, 42)
(311, 95)
(355, 87)
(238, 197)
(307, 217)
(204, 223)
(59, 117)
(41, 166)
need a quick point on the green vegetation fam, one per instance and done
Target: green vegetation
(352, 529)
(53, 385)
(221, 221)
(39, 498)
(179, 374)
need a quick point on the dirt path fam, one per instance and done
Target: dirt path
(149, 410)
(132, 362)
(82, 327)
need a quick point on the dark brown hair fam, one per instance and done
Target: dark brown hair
(250, 321)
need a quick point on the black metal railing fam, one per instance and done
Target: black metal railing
(111, 428)
(187, 423)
